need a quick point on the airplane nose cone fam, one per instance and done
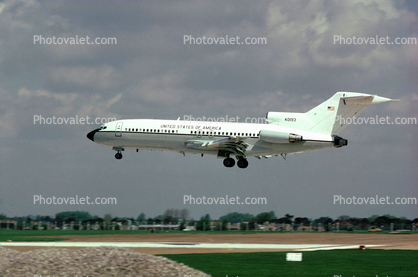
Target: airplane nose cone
(90, 135)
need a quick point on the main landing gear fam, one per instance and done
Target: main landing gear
(229, 162)
(241, 163)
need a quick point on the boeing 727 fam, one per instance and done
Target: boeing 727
(284, 133)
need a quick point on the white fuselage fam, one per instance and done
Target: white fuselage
(171, 135)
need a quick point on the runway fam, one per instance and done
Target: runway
(278, 247)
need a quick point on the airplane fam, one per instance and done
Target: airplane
(284, 133)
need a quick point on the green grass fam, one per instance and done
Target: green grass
(344, 263)
(24, 235)
(37, 235)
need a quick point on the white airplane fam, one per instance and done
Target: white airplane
(284, 132)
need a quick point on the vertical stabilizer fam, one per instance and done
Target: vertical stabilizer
(329, 117)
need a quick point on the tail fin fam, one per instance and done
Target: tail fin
(326, 117)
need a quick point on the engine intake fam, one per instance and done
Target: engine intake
(278, 137)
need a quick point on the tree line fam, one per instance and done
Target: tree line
(181, 216)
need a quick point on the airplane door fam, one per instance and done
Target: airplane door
(118, 130)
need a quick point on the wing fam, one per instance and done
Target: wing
(233, 145)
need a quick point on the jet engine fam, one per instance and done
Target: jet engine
(278, 137)
(340, 142)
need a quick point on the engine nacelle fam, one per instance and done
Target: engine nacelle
(278, 137)
(340, 142)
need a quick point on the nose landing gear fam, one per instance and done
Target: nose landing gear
(118, 155)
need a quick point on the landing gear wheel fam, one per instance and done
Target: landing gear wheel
(229, 162)
(242, 163)
(118, 156)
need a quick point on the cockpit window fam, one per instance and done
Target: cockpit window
(103, 127)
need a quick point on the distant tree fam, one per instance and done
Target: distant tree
(364, 224)
(382, 221)
(72, 216)
(184, 214)
(141, 217)
(159, 219)
(263, 217)
(287, 219)
(176, 214)
(107, 218)
(206, 217)
(171, 215)
(343, 218)
(169, 212)
(302, 220)
(3, 216)
(46, 218)
(323, 220)
(236, 217)
(222, 225)
(327, 221)
(373, 217)
(169, 219)
(204, 223)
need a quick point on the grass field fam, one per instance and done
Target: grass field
(39, 235)
(341, 263)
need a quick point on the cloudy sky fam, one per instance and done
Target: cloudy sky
(151, 73)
